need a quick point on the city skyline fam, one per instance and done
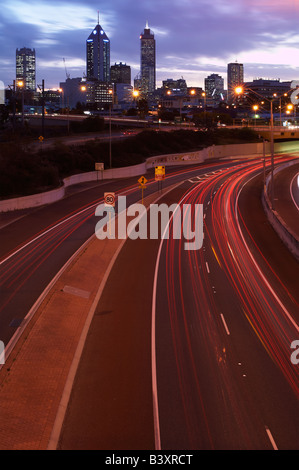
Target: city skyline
(193, 41)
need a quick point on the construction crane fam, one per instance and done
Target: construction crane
(67, 74)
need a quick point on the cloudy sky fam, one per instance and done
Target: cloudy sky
(194, 38)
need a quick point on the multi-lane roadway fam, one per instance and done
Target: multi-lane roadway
(195, 352)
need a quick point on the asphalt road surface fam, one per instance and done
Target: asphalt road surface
(36, 245)
(191, 349)
(187, 349)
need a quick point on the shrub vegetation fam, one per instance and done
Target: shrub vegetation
(23, 172)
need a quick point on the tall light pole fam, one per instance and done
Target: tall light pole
(255, 108)
(239, 90)
(21, 84)
(13, 89)
(272, 154)
(42, 89)
(204, 106)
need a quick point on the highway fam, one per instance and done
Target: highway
(187, 349)
(223, 337)
(36, 246)
(219, 351)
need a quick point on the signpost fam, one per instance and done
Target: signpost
(109, 201)
(99, 167)
(159, 174)
(41, 139)
(142, 184)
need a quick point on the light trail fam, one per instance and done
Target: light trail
(193, 312)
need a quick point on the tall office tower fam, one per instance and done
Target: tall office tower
(120, 73)
(214, 88)
(235, 77)
(25, 68)
(98, 55)
(148, 62)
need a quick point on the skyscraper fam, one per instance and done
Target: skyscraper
(25, 68)
(235, 77)
(148, 62)
(214, 88)
(98, 55)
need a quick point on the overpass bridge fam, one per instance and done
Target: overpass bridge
(279, 132)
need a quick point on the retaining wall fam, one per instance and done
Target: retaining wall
(289, 238)
(221, 151)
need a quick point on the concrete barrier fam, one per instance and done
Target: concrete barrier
(34, 200)
(236, 150)
(289, 238)
(186, 158)
(176, 159)
(37, 200)
(123, 172)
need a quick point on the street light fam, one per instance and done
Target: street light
(20, 84)
(204, 107)
(255, 108)
(42, 88)
(135, 95)
(239, 90)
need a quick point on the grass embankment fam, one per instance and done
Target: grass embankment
(23, 172)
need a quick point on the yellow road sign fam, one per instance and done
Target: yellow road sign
(159, 173)
(142, 181)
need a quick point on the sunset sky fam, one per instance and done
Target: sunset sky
(194, 38)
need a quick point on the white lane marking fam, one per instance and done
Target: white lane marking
(207, 266)
(53, 441)
(291, 319)
(71, 217)
(224, 323)
(157, 435)
(47, 231)
(271, 438)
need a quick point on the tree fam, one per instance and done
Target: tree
(4, 115)
(142, 106)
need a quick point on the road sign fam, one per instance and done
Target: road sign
(40, 138)
(142, 184)
(159, 173)
(109, 199)
(99, 166)
(142, 181)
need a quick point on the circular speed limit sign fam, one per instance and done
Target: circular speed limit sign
(109, 199)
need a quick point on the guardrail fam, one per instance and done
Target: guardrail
(289, 238)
